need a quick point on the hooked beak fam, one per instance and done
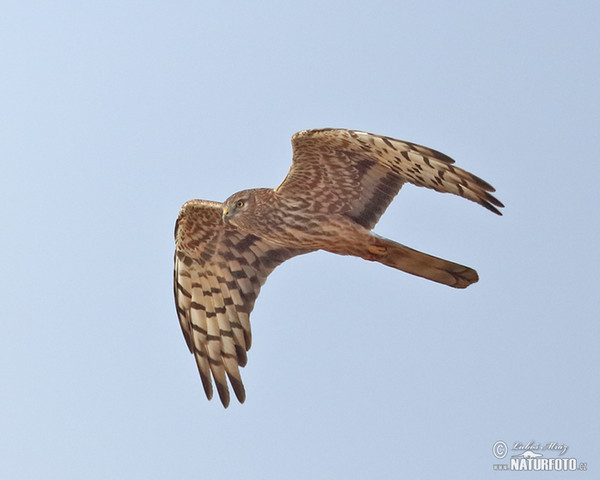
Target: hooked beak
(225, 212)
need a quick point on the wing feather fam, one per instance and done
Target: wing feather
(360, 173)
(218, 274)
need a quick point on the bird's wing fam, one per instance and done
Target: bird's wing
(358, 173)
(217, 277)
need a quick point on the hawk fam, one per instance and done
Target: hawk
(339, 185)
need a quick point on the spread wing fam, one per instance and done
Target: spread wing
(218, 275)
(359, 173)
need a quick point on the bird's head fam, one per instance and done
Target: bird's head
(236, 205)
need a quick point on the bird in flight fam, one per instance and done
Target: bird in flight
(339, 185)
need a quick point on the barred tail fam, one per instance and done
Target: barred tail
(420, 264)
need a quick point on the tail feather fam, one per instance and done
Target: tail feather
(420, 264)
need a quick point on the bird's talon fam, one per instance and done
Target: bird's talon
(377, 249)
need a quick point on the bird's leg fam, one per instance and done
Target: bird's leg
(377, 250)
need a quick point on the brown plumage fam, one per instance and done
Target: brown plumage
(339, 185)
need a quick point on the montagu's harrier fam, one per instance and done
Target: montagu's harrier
(339, 185)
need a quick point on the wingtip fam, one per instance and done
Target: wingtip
(207, 385)
(238, 388)
(223, 394)
(492, 208)
(242, 357)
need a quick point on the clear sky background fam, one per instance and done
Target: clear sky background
(113, 114)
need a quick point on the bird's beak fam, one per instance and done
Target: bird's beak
(225, 211)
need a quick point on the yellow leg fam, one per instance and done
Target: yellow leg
(377, 249)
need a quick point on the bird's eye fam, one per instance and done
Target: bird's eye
(239, 204)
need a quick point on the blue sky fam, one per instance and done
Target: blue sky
(116, 113)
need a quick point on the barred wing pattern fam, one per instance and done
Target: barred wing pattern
(359, 173)
(218, 274)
